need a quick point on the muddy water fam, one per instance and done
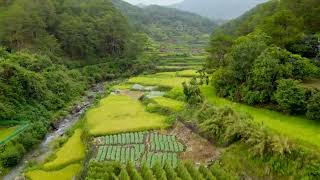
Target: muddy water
(44, 148)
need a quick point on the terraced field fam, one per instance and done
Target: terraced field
(139, 147)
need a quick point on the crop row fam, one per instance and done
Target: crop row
(122, 139)
(162, 138)
(120, 153)
(166, 146)
(151, 158)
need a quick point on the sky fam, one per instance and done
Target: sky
(158, 2)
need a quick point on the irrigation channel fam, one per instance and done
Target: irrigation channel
(61, 127)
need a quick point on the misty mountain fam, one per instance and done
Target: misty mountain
(218, 9)
(164, 23)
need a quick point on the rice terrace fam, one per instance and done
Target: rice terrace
(183, 90)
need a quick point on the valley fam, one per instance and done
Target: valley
(104, 89)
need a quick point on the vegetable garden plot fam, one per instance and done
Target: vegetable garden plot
(136, 147)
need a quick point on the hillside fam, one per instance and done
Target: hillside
(218, 9)
(257, 16)
(166, 24)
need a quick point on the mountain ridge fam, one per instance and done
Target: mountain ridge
(217, 9)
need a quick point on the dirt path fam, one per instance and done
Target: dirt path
(198, 149)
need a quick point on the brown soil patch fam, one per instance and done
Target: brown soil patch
(198, 149)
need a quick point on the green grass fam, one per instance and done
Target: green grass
(161, 80)
(170, 104)
(66, 173)
(123, 86)
(6, 131)
(72, 151)
(176, 93)
(295, 127)
(177, 68)
(120, 113)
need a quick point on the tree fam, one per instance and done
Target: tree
(284, 27)
(245, 51)
(192, 92)
(290, 96)
(219, 46)
(313, 107)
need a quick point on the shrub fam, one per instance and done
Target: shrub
(195, 174)
(11, 154)
(183, 172)
(313, 107)
(146, 172)
(171, 174)
(290, 96)
(206, 173)
(123, 175)
(192, 92)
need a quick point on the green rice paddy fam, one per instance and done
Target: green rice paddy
(72, 151)
(7, 131)
(66, 173)
(171, 104)
(121, 113)
(159, 80)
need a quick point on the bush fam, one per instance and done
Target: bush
(193, 171)
(192, 92)
(171, 174)
(183, 172)
(11, 154)
(206, 173)
(146, 172)
(123, 175)
(313, 107)
(290, 96)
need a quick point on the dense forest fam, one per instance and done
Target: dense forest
(51, 53)
(267, 56)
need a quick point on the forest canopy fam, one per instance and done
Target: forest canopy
(265, 56)
(78, 29)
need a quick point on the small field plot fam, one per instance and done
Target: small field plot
(6, 131)
(11, 129)
(66, 173)
(121, 113)
(167, 103)
(185, 73)
(138, 147)
(72, 151)
(161, 80)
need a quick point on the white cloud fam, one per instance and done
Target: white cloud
(158, 2)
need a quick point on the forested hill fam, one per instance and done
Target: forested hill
(304, 13)
(51, 53)
(218, 9)
(75, 28)
(266, 53)
(163, 24)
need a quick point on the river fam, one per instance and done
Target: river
(44, 148)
